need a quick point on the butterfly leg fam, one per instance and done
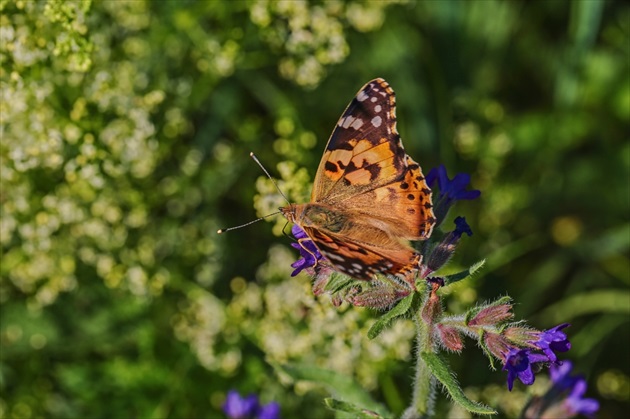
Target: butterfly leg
(305, 239)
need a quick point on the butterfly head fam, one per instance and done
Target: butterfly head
(289, 212)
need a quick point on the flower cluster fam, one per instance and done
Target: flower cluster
(520, 349)
(519, 362)
(237, 407)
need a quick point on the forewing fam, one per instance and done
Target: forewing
(364, 150)
(403, 207)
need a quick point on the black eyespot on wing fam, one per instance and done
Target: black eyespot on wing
(331, 167)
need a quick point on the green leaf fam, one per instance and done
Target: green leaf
(342, 386)
(450, 279)
(444, 375)
(399, 309)
(603, 301)
(356, 412)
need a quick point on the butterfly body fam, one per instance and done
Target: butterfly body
(369, 197)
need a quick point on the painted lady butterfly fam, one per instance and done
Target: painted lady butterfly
(369, 197)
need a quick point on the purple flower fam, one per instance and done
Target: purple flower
(309, 254)
(461, 227)
(578, 405)
(559, 374)
(269, 411)
(454, 189)
(553, 340)
(237, 407)
(574, 403)
(450, 190)
(518, 364)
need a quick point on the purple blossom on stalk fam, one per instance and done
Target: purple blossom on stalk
(454, 189)
(559, 374)
(575, 404)
(309, 254)
(269, 411)
(461, 227)
(519, 363)
(237, 407)
(553, 340)
(449, 190)
(578, 405)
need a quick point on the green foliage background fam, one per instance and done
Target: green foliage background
(125, 131)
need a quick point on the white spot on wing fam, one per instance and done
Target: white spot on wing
(357, 123)
(349, 119)
(377, 108)
(361, 96)
(335, 257)
(373, 100)
(377, 121)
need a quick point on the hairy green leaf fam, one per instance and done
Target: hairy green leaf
(444, 375)
(399, 309)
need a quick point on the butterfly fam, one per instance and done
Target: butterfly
(369, 198)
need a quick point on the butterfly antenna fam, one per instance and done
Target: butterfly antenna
(223, 230)
(253, 156)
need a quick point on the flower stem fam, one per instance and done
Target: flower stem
(424, 385)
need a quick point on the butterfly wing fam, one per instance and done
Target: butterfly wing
(362, 260)
(364, 150)
(365, 168)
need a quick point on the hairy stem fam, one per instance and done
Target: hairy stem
(424, 385)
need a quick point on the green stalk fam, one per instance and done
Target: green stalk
(424, 387)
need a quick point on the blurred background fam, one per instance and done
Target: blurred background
(125, 133)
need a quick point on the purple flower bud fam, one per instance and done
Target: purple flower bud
(461, 227)
(520, 336)
(442, 253)
(379, 296)
(492, 316)
(497, 345)
(450, 338)
(438, 280)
